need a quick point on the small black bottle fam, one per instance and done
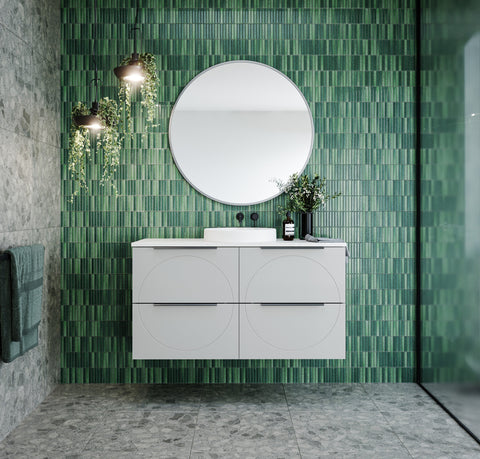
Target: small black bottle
(288, 228)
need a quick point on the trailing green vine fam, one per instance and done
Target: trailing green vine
(108, 141)
(149, 86)
(148, 91)
(124, 94)
(78, 150)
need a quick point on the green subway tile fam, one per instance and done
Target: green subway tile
(449, 274)
(358, 78)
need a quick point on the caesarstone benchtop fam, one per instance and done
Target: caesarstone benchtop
(279, 243)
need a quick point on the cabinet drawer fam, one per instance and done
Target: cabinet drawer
(292, 331)
(193, 275)
(185, 331)
(309, 275)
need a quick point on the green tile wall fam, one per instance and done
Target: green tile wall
(450, 277)
(354, 62)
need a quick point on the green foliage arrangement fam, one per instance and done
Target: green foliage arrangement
(148, 91)
(78, 150)
(304, 194)
(108, 141)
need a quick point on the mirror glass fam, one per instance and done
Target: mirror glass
(236, 128)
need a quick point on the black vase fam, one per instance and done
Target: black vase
(306, 224)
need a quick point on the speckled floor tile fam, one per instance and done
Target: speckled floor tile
(388, 392)
(407, 399)
(244, 454)
(396, 453)
(393, 389)
(239, 421)
(463, 399)
(173, 397)
(102, 396)
(244, 396)
(341, 397)
(244, 433)
(432, 433)
(116, 455)
(363, 433)
(51, 433)
(157, 433)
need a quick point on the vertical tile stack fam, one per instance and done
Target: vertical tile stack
(354, 62)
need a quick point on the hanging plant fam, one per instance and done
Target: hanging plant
(148, 90)
(108, 141)
(78, 149)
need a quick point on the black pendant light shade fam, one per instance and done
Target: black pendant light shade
(132, 72)
(91, 121)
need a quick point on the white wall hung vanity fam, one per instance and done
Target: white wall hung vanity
(194, 299)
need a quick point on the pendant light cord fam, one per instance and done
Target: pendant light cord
(135, 31)
(95, 49)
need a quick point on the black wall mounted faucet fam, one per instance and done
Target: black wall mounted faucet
(240, 217)
(254, 217)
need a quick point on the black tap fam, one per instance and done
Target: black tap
(240, 218)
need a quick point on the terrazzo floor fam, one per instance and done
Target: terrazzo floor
(463, 400)
(239, 421)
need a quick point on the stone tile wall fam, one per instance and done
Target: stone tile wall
(30, 183)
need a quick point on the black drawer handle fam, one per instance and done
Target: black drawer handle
(295, 304)
(266, 247)
(185, 247)
(184, 304)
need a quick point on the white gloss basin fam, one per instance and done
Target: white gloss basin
(240, 234)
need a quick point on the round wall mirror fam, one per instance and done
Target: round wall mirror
(238, 127)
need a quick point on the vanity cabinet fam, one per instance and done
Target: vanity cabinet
(199, 300)
(185, 275)
(185, 331)
(292, 331)
(292, 274)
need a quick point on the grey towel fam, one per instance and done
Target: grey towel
(310, 238)
(9, 348)
(26, 267)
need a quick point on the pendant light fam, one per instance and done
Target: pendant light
(132, 72)
(92, 121)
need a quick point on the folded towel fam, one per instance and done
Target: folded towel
(11, 348)
(310, 238)
(26, 267)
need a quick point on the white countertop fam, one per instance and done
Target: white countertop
(177, 242)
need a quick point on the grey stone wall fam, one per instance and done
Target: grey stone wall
(30, 183)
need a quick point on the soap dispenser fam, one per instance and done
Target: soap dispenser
(288, 228)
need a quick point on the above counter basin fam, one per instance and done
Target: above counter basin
(240, 234)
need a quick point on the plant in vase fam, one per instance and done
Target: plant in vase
(108, 141)
(148, 90)
(305, 195)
